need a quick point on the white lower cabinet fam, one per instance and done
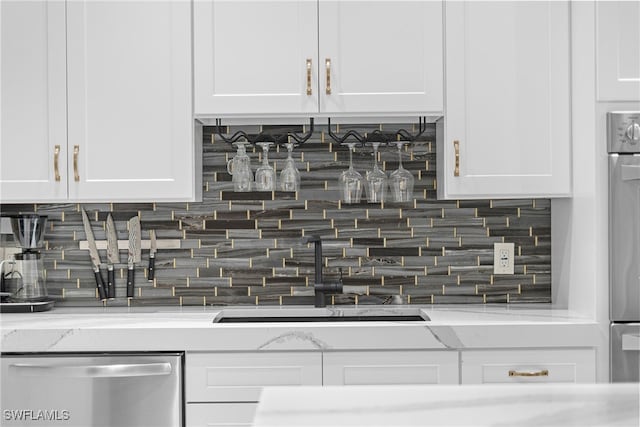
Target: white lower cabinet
(390, 367)
(222, 389)
(528, 365)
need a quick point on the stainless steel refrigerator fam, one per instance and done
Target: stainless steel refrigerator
(624, 244)
(92, 390)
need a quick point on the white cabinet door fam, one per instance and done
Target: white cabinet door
(129, 100)
(255, 56)
(618, 50)
(390, 367)
(507, 108)
(381, 56)
(239, 377)
(33, 110)
(532, 365)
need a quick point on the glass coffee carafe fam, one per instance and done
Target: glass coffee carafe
(23, 277)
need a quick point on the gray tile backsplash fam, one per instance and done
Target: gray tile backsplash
(245, 248)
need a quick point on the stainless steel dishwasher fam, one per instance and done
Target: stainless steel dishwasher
(138, 389)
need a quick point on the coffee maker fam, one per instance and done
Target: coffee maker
(22, 278)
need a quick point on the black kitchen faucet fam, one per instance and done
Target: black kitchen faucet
(319, 287)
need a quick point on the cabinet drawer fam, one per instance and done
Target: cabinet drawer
(390, 367)
(535, 365)
(220, 414)
(239, 377)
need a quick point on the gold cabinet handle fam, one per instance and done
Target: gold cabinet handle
(76, 150)
(327, 64)
(309, 92)
(456, 147)
(542, 373)
(56, 167)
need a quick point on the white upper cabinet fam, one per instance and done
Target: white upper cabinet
(109, 84)
(255, 56)
(271, 57)
(129, 99)
(618, 50)
(33, 111)
(380, 56)
(506, 129)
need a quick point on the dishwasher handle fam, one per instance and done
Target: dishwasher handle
(120, 370)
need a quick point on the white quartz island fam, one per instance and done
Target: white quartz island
(483, 405)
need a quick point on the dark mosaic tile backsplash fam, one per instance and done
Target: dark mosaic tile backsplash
(246, 248)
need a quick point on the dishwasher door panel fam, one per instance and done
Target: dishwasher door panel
(87, 391)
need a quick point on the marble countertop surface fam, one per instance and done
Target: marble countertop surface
(443, 405)
(193, 329)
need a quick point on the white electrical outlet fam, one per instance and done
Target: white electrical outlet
(503, 255)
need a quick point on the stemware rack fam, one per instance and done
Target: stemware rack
(279, 136)
(378, 135)
(285, 134)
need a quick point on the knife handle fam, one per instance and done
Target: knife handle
(152, 267)
(111, 282)
(102, 292)
(131, 273)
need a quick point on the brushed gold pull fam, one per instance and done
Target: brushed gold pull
(327, 63)
(76, 150)
(456, 147)
(542, 373)
(309, 92)
(56, 168)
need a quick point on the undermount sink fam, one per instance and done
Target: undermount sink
(266, 315)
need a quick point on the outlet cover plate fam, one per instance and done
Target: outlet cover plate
(503, 258)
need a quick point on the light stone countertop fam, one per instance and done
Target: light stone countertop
(451, 405)
(192, 329)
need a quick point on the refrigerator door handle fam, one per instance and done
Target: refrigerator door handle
(630, 342)
(93, 371)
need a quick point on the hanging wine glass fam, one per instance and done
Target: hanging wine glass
(265, 174)
(289, 176)
(240, 168)
(351, 182)
(401, 180)
(376, 179)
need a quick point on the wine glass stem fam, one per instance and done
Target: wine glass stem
(350, 158)
(400, 157)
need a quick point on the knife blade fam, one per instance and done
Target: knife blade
(113, 256)
(95, 257)
(153, 248)
(135, 253)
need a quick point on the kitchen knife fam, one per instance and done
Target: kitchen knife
(135, 253)
(153, 248)
(113, 256)
(95, 257)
